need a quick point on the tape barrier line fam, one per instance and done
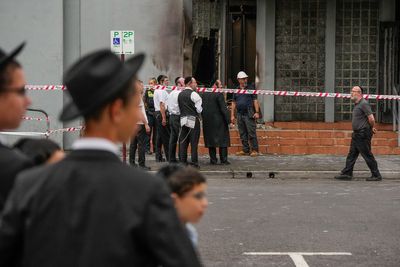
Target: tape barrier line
(34, 119)
(237, 91)
(70, 129)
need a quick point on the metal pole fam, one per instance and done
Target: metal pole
(123, 144)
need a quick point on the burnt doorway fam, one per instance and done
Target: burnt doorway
(240, 40)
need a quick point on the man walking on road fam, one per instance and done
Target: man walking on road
(363, 124)
(248, 111)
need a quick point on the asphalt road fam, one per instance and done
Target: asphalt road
(361, 219)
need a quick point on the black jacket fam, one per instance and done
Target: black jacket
(11, 163)
(91, 209)
(215, 120)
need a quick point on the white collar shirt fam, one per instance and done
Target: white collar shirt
(94, 143)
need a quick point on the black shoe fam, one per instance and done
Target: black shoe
(212, 162)
(225, 162)
(194, 165)
(133, 164)
(148, 152)
(344, 177)
(144, 167)
(160, 160)
(374, 178)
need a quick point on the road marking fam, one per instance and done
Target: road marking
(297, 257)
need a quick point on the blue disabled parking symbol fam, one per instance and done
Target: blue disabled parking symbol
(116, 41)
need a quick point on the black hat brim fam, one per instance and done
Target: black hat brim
(114, 86)
(8, 58)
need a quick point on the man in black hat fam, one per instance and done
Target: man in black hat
(13, 104)
(90, 209)
(190, 106)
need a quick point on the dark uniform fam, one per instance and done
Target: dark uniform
(216, 126)
(149, 105)
(361, 140)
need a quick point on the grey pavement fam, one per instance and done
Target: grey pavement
(287, 167)
(313, 216)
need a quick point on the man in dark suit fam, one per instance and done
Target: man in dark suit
(216, 125)
(90, 209)
(13, 104)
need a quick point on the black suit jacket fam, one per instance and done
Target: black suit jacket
(91, 209)
(11, 163)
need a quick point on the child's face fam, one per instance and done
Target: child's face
(192, 205)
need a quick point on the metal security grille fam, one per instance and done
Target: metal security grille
(300, 58)
(356, 51)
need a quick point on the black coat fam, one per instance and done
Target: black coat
(91, 209)
(11, 163)
(215, 120)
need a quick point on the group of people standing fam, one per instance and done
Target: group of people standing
(173, 121)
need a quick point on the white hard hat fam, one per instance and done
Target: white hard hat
(242, 75)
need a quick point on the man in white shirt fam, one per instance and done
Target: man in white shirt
(190, 106)
(160, 106)
(139, 141)
(174, 118)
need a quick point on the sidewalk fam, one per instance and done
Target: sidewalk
(290, 167)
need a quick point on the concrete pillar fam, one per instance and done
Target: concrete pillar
(330, 44)
(265, 46)
(71, 53)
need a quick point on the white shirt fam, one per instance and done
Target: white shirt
(95, 143)
(160, 96)
(141, 105)
(195, 97)
(172, 102)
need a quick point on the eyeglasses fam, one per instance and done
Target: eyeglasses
(19, 91)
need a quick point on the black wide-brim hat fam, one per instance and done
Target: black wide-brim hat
(95, 80)
(7, 58)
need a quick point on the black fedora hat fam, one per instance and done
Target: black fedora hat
(7, 58)
(95, 80)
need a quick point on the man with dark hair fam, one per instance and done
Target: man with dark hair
(138, 142)
(363, 124)
(161, 116)
(91, 209)
(149, 107)
(174, 118)
(190, 106)
(13, 104)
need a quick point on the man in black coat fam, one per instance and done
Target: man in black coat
(13, 104)
(216, 125)
(90, 209)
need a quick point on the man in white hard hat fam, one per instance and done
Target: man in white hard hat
(248, 111)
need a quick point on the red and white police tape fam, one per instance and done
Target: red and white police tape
(27, 118)
(237, 91)
(47, 133)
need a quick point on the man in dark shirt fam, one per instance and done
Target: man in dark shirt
(248, 111)
(13, 104)
(363, 124)
(149, 106)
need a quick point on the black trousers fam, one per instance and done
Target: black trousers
(223, 154)
(138, 143)
(153, 130)
(162, 137)
(186, 137)
(247, 130)
(174, 125)
(361, 144)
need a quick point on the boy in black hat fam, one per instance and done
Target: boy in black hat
(13, 104)
(90, 209)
